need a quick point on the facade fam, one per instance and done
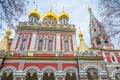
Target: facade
(49, 47)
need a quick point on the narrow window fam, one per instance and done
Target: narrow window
(23, 45)
(66, 45)
(40, 46)
(113, 58)
(50, 45)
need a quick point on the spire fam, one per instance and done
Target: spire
(82, 47)
(98, 35)
(4, 42)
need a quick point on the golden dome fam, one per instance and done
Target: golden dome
(8, 32)
(35, 13)
(63, 14)
(50, 15)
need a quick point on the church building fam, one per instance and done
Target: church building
(47, 50)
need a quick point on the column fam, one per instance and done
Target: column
(34, 35)
(58, 42)
(14, 42)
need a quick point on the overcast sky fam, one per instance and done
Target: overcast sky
(77, 10)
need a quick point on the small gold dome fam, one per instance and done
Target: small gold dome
(35, 13)
(50, 15)
(63, 14)
(8, 32)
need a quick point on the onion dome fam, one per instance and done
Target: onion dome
(35, 13)
(50, 15)
(63, 15)
(8, 32)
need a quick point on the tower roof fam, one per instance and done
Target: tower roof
(4, 41)
(82, 47)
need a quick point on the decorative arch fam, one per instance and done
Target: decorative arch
(115, 72)
(33, 68)
(71, 68)
(9, 68)
(49, 67)
(93, 66)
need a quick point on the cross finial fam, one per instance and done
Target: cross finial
(63, 9)
(51, 9)
(35, 4)
(79, 29)
(89, 8)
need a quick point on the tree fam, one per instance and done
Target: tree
(73, 76)
(34, 76)
(110, 12)
(11, 11)
(67, 77)
(10, 76)
(28, 76)
(89, 76)
(45, 76)
(51, 77)
(4, 76)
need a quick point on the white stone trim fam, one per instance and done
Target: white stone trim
(32, 67)
(33, 41)
(9, 68)
(49, 67)
(14, 42)
(58, 42)
(103, 54)
(70, 68)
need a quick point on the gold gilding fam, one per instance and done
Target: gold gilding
(82, 47)
(64, 14)
(4, 42)
(50, 15)
(34, 13)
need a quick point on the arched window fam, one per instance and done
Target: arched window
(98, 41)
(66, 44)
(40, 45)
(50, 45)
(23, 45)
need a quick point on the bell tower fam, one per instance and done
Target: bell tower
(98, 35)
